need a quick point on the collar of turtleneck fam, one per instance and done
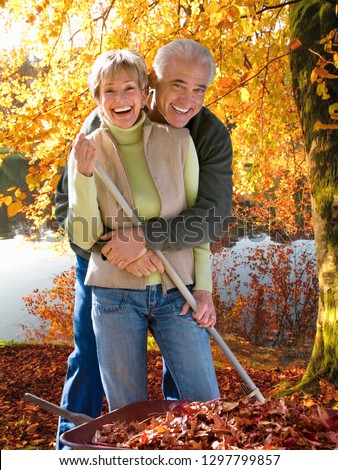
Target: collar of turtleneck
(129, 136)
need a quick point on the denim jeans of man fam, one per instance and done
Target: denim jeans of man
(83, 390)
(121, 321)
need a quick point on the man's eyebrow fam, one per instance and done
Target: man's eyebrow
(183, 82)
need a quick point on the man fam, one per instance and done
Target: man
(181, 73)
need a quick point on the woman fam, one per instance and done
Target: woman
(156, 168)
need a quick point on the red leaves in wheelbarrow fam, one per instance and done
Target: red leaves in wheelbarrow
(220, 424)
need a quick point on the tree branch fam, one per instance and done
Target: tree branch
(280, 5)
(248, 79)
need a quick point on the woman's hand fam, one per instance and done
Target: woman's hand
(85, 155)
(126, 249)
(124, 246)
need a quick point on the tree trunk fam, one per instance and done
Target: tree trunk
(310, 22)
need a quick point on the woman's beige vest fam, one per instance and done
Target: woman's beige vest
(165, 149)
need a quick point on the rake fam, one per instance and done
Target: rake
(250, 389)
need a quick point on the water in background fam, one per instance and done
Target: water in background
(236, 258)
(25, 266)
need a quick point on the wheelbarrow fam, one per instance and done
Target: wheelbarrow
(80, 437)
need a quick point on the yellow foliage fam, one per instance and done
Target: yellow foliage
(333, 111)
(33, 181)
(245, 95)
(322, 90)
(45, 97)
(7, 200)
(14, 208)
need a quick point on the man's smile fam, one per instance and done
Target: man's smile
(179, 110)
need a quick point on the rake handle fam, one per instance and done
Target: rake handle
(254, 391)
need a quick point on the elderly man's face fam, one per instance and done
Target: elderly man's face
(180, 94)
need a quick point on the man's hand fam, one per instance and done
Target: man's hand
(144, 266)
(205, 314)
(85, 155)
(124, 246)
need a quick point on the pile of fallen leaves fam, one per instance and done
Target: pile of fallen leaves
(224, 425)
(292, 423)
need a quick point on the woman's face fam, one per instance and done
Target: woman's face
(121, 99)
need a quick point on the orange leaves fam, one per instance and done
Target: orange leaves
(40, 370)
(32, 428)
(54, 307)
(226, 83)
(14, 208)
(321, 72)
(31, 19)
(276, 424)
(294, 44)
(318, 125)
(14, 203)
(329, 392)
(54, 181)
(277, 278)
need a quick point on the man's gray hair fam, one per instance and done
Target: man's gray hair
(110, 62)
(184, 49)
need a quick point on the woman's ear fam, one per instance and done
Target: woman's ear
(145, 94)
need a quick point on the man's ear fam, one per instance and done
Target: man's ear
(152, 79)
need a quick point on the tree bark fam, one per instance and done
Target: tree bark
(310, 22)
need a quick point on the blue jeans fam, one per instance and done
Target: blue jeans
(121, 319)
(82, 391)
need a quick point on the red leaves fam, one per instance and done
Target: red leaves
(294, 423)
(277, 424)
(182, 407)
(35, 369)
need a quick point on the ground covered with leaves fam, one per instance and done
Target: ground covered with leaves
(295, 422)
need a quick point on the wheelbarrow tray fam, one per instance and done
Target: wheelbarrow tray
(80, 437)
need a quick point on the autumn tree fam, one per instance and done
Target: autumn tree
(315, 82)
(44, 103)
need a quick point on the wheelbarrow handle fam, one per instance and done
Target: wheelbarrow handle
(253, 390)
(75, 418)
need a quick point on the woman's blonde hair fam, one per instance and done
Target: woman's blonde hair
(110, 62)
